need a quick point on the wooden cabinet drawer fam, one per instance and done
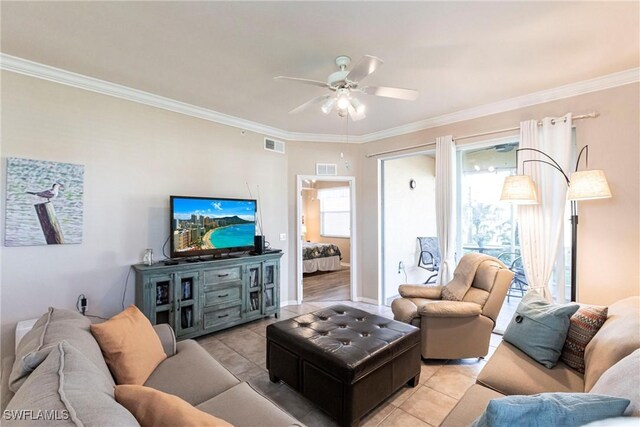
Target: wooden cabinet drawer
(222, 275)
(214, 318)
(224, 295)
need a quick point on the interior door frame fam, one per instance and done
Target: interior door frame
(353, 238)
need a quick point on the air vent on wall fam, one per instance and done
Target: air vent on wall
(326, 169)
(273, 145)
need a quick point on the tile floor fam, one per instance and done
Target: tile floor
(442, 382)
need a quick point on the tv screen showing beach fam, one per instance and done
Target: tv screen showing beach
(199, 224)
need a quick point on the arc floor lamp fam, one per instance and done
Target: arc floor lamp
(582, 185)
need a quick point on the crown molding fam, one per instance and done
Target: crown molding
(567, 91)
(57, 75)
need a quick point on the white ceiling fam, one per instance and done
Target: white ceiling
(223, 55)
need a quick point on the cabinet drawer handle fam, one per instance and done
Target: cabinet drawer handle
(223, 275)
(223, 296)
(224, 315)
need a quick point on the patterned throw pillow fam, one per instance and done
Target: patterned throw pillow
(585, 323)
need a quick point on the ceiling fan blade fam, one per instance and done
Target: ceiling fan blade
(391, 92)
(308, 104)
(355, 116)
(304, 81)
(367, 65)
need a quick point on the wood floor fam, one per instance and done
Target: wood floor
(327, 286)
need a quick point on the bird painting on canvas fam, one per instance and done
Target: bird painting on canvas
(44, 202)
(52, 193)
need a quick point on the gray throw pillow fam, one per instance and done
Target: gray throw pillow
(66, 389)
(52, 328)
(539, 328)
(550, 409)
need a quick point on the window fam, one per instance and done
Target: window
(335, 212)
(485, 224)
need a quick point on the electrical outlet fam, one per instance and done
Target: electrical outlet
(283, 236)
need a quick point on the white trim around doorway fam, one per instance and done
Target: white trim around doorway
(353, 269)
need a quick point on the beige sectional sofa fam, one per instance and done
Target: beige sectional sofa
(188, 372)
(612, 367)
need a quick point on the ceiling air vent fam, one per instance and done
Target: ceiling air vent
(326, 169)
(273, 145)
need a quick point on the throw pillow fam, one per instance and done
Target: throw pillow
(550, 409)
(621, 380)
(67, 389)
(539, 328)
(585, 323)
(130, 346)
(152, 407)
(51, 329)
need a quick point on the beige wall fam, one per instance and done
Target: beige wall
(311, 211)
(608, 236)
(408, 214)
(135, 157)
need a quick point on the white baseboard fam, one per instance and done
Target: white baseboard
(367, 300)
(290, 302)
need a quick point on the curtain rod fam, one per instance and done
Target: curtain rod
(591, 115)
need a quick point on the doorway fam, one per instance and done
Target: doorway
(408, 217)
(326, 238)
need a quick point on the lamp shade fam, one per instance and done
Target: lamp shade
(588, 185)
(519, 189)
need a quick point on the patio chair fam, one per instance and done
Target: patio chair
(429, 256)
(518, 286)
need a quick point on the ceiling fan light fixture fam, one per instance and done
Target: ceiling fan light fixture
(345, 82)
(328, 105)
(358, 106)
(343, 103)
(343, 99)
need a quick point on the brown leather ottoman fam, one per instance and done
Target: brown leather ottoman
(346, 361)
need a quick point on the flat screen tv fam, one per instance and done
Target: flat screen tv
(211, 226)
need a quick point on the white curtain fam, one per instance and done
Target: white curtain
(445, 206)
(541, 224)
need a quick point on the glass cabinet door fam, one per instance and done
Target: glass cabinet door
(269, 274)
(254, 289)
(269, 299)
(270, 291)
(162, 297)
(187, 313)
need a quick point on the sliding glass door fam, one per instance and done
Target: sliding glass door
(489, 226)
(485, 224)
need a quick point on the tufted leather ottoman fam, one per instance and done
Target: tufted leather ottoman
(345, 360)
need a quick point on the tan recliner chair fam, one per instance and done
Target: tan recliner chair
(456, 329)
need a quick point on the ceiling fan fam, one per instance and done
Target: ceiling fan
(345, 83)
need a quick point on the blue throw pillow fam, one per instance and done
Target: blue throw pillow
(550, 409)
(539, 328)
